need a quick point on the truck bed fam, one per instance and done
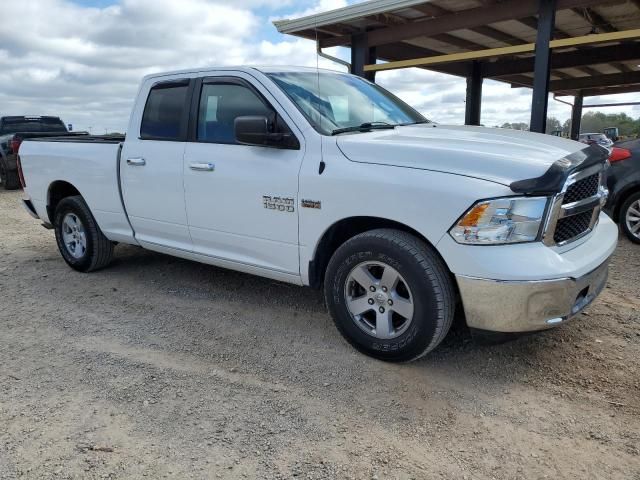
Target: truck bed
(91, 164)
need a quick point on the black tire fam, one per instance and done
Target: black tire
(426, 276)
(99, 250)
(9, 178)
(628, 203)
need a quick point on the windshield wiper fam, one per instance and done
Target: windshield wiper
(415, 123)
(364, 127)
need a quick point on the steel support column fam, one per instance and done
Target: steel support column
(576, 116)
(542, 65)
(362, 54)
(474, 95)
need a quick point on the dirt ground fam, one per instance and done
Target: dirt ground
(162, 368)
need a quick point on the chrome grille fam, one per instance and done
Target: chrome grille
(575, 211)
(585, 188)
(572, 227)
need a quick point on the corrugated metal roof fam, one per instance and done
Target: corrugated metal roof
(345, 14)
(378, 15)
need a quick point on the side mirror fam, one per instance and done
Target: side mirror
(254, 130)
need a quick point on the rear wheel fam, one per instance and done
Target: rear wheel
(80, 241)
(630, 217)
(390, 295)
(8, 178)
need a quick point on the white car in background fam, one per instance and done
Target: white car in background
(597, 138)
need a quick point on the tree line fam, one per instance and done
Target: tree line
(592, 122)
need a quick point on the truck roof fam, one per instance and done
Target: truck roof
(29, 117)
(240, 68)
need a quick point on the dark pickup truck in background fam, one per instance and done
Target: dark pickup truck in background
(13, 130)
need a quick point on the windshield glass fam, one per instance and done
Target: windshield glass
(333, 100)
(32, 125)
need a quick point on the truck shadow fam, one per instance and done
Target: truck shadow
(302, 313)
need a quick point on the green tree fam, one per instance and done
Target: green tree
(553, 124)
(598, 121)
(516, 125)
(593, 122)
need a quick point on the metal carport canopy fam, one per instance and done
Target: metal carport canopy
(569, 47)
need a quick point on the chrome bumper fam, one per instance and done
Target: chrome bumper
(511, 306)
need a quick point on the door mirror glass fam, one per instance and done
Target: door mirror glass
(251, 129)
(256, 130)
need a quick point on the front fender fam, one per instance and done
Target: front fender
(426, 202)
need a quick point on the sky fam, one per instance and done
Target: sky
(82, 60)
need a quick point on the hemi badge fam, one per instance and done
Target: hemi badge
(311, 204)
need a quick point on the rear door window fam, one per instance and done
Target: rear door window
(164, 116)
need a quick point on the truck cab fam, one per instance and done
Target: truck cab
(612, 133)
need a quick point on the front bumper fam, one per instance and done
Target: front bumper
(523, 306)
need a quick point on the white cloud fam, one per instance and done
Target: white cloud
(320, 6)
(84, 63)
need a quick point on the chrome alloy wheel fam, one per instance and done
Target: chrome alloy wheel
(633, 218)
(73, 235)
(379, 300)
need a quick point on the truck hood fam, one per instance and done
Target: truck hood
(494, 154)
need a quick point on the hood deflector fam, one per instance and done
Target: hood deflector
(552, 181)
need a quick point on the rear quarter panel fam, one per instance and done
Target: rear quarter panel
(92, 168)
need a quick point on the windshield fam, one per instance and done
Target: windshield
(332, 101)
(32, 125)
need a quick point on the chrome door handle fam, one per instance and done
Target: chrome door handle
(136, 162)
(202, 167)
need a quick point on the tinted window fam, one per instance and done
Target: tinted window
(32, 125)
(164, 112)
(220, 104)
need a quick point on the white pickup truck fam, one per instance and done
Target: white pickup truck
(323, 179)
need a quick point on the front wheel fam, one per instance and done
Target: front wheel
(630, 217)
(80, 240)
(390, 295)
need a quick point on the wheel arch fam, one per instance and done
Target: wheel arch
(344, 229)
(57, 191)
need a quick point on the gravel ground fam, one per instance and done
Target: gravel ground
(162, 368)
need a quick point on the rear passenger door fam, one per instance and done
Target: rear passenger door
(241, 200)
(151, 167)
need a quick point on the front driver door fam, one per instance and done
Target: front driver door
(241, 200)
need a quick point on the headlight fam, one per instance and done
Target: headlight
(503, 220)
